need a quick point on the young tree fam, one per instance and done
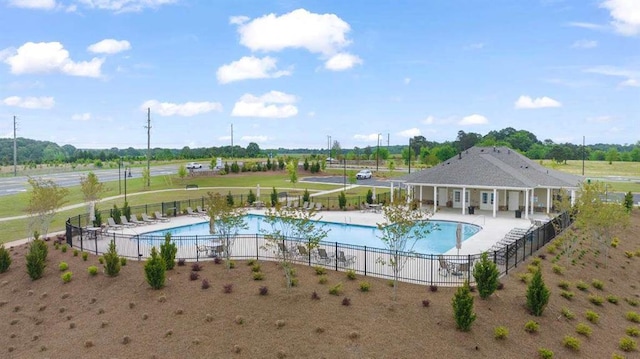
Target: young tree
(401, 229)
(5, 259)
(463, 307)
(45, 198)
(537, 294)
(36, 258)
(274, 197)
(92, 190)
(292, 170)
(111, 260)
(146, 177)
(155, 270)
(628, 201)
(286, 223)
(182, 171)
(230, 201)
(486, 275)
(342, 200)
(168, 251)
(369, 198)
(351, 178)
(251, 197)
(226, 221)
(306, 196)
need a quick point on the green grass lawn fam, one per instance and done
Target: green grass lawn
(597, 168)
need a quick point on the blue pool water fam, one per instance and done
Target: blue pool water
(441, 238)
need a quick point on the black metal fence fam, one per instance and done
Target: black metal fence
(431, 269)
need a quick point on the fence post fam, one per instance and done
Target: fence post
(506, 259)
(138, 242)
(257, 248)
(365, 260)
(335, 254)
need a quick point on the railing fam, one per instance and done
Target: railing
(431, 269)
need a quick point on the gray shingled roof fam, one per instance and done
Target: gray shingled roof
(492, 167)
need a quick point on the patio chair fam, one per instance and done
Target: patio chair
(303, 253)
(283, 250)
(318, 206)
(323, 256)
(125, 222)
(345, 261)
(134, 220)
(200, 210)
(305, 205)
(444, 266)
(147, 219)
(191, 213)
(112, 224)
(312, 205)
(160, 217)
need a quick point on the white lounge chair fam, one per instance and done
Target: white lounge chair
(112, 224)
(192, 213)
(160, 217)
(201, 211)
(345, 260)
(125, 222)
(147, 219)
(134, 220)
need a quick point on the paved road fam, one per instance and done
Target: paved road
(13, 185)
(340, 180)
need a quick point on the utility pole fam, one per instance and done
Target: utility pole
(378, 153)
(329, 147)
(410, 154)
(232, 140)
(15, 149)
(148, 127)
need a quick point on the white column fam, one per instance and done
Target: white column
(533, 197)
(548, 200)
(526, 204)
(464, 200)
(495, 202)
(391, 192)
(409, 195)
(420, 195)
(435, 199)
(573, 197)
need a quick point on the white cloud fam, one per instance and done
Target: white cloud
(407, 80)
(238, 20)
(125, 5)
(429, 120)
(81, 116)
(34, 4)
(186, 109)
(109, 46)
(224, 138)
(587, 25)
(43, 103)
(631, 76)
(526, 102)
(584, 44)
(254, 138)
(412, 132)
(342, 61)
(45, 57)
(249, 67)
(372, 137)
(625, 14)
(474, 119)
(273, 104)
(317, 33)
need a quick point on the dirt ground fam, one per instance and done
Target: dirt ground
(121, 317)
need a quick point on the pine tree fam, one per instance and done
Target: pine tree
(463, 307)
(486, 275)
(5, 259)
(36, 259)
(111, 260)
(537, 294)
(168, 251)
(155, 270)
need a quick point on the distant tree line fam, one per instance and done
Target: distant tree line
(418, 148)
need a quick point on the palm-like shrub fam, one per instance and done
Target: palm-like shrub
(155, 270)
(537, 294)
(111, 260)
(168, 252)
(486, 275)
(463, 308)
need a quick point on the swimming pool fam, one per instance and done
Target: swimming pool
(441, 239)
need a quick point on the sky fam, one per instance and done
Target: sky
(292, 73)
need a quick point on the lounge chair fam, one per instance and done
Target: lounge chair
(311, 206)
(344, 260)
(125, 222)
(147, 219)
(444, 266)
(192, 213)
(112, 224)
(302, 251)
(323, 257)
(305, 205)
(200, 210)
(318, 206)
(134, 220)
(160, 217)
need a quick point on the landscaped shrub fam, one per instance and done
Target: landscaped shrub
(196, 267)
(263, 290)
(500, 332)
(572, 343)
(612, 299)
(564, 284)
(346, 301)
(194, 276)
(85, 256)
(592, 316)
(251, 197)
(531, 327)
(537, 294)
(463, 308)
(256, 267)
(66, 277)
(168, 251)
(111, 260)
(63, 248)
(342, 200)
(101, 260)
(123, 261)
(628, 344)
(93, 270)
(596, 299)
(426, 302)
(63, 266)
(545, 353)
(583, 329)
(336, 289)
(231, 264)
(369, 198)
(205, 284)
(633, 331)
(557, 269)
(227, 288)
(566, 294)
(182, 262)
(365, 286)
(351, 274)
(315, 296)
(632, 301)
(320, 270)
(258, 276)
(486, 275)
(75, 252)
(633, 317)
(524, 277)
(433, 288)
(567, 313)
(155, 270)
(615, 242)
(36, 259)
(582, 285)
(5, 259)
(597, 284)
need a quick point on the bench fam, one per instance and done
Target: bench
(191, 186)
